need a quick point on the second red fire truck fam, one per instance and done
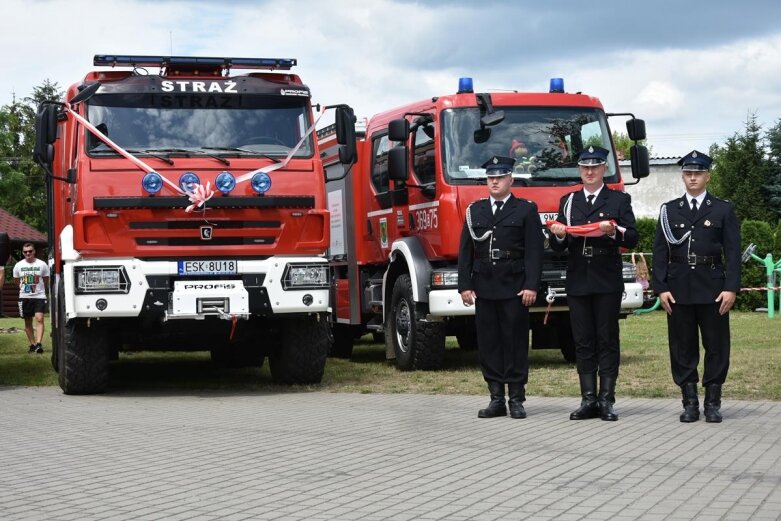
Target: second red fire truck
(396, 216)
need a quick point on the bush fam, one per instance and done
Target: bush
(753, 274)
(646, 229)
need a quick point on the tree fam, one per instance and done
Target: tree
(623, 144)
(22, 182)
(772, 190)
(740, 171)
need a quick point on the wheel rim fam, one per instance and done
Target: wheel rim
(403, 321)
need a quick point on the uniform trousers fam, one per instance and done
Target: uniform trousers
(503, 339)
(594, 320)
(683, 328)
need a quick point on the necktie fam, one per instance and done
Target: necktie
(590, 200)
(694, 207)
(498, 205)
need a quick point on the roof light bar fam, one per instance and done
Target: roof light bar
(113, 60)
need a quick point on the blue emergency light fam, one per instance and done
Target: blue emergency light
(113, 60)
(261, 182)
(465, 85)
(225, 182)
(189, 181)
(557, 85)
(152, 182)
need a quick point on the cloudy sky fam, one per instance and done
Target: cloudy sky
(692, 69)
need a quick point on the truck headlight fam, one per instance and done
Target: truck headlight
(101, 279)
(305, 276)
(444, 279)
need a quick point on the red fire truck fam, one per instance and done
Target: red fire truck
(187, 211)
(396, 218)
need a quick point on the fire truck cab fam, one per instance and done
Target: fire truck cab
(397, 216)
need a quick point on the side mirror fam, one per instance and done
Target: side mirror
(492, 118)
(481, 135)
(45, 133)
(397, 164)
(85, 93)
(345, 134)
(640, 165)
(635, 129)
(398, 130)
(5, 248)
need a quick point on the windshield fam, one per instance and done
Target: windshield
(230, 125)
(544, 141)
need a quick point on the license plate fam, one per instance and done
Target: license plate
(548, 216)
(207, 267)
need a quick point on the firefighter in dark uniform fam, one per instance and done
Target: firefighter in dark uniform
(696, 273)
(595, 282)
(499, 269)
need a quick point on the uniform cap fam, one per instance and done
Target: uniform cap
(695, 161)
(498, 166)
(593, 156)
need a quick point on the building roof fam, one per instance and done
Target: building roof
(18, 230)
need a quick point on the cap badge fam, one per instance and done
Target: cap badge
(591, 150)
(694, 154)
(495, 161)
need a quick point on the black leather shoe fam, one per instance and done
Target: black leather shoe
(606, 398)
(588, 405)
(691, 405)
(713, 403)
(517, 397)
(496, 407)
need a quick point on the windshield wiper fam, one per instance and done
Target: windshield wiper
(244, 151)
(156, 156)
(188, 151)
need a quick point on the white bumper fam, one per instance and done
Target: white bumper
(447, 302)
(194, 297)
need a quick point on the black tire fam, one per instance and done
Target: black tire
(344, 340)
(417, 344)
(83, 357)
(301, 356)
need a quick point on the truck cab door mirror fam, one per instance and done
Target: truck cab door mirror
(45, 133)
(492, 118)
(635, 129)
(640, 164)
(398, 130)
(397, 164)
(345, 134)
(85, 93)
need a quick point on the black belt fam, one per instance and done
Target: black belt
(502, 254)
(692, 259)
(592, 251)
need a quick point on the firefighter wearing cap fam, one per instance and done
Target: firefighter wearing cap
(696, 272)
(499, 269)
(595, 282)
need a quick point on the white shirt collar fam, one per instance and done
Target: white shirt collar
(503, 200)
(586, 193)
(700, 198)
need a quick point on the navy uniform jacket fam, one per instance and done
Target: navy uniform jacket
(600, 273)
(715, 233)
(517, 229)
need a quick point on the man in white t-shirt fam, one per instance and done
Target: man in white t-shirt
(32, 275)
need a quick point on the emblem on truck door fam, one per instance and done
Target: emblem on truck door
(206, 233)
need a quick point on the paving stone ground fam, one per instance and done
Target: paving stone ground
(321, 456)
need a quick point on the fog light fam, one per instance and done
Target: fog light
(307, 300)
(101, 304)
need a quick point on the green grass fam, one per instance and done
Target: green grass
(754, 372)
